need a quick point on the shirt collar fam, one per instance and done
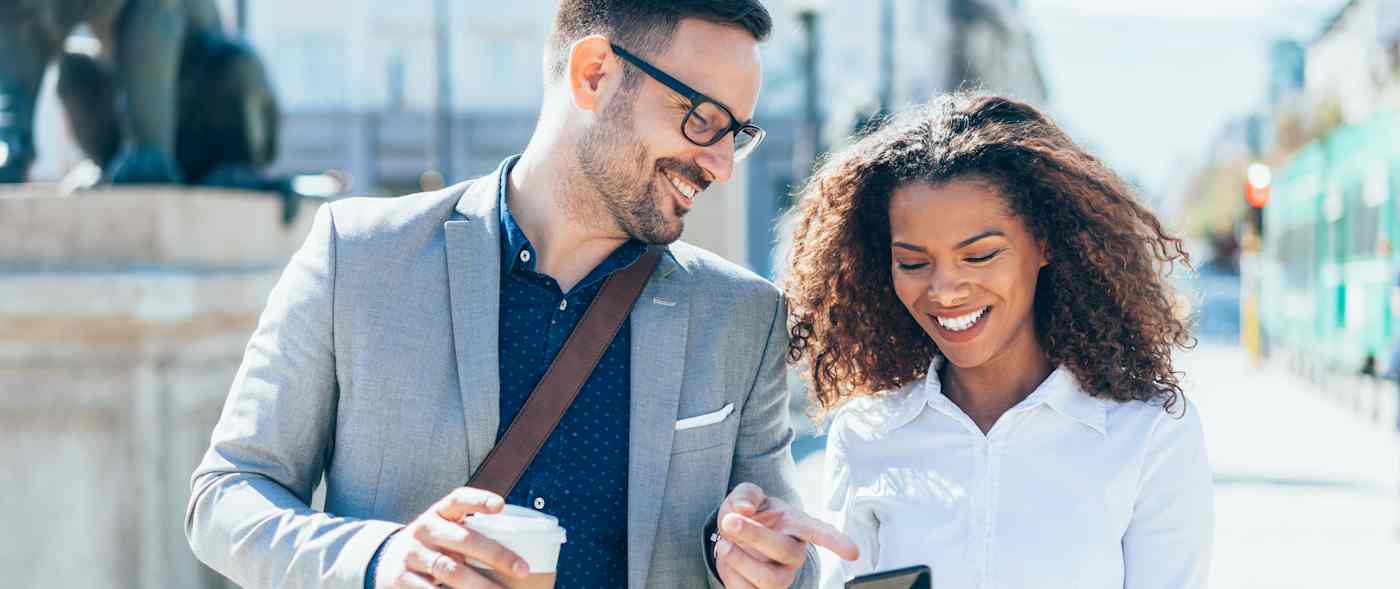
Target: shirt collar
(514, 241)
(1060, 392)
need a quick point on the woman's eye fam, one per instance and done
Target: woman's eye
(915, 266)
(986, 258)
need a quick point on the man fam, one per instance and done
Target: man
(406, 334)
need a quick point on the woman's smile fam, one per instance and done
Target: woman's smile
(958, 328)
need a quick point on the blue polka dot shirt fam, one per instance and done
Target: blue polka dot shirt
(580, 475)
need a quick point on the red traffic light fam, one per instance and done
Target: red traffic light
(1257, 183)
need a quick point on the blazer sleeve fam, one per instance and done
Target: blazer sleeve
(1169, 538)
(249, 517)
(763, 453)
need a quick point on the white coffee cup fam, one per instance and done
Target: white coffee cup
(533, 536)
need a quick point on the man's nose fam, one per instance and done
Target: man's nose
(718, 159)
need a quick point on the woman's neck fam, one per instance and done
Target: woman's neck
(988, 391)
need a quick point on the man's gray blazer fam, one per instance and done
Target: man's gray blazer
(375, 365)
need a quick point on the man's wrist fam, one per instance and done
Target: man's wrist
(711, 538)
(373, 565)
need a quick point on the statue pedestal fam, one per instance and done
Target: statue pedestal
(123, 317)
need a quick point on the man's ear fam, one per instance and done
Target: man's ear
(591, 72)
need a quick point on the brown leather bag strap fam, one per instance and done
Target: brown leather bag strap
(561, 383)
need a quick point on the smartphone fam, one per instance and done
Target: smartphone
(914, 577)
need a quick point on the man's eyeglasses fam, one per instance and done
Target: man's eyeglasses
(707, 122)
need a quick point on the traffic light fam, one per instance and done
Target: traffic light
(1258, 180)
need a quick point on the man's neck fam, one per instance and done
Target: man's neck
(567, 248)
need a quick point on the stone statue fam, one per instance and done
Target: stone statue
(170, 98)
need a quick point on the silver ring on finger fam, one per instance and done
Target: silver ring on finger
(439, 569)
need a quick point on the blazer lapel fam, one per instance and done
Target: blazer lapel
(474, 279)
(659, 323)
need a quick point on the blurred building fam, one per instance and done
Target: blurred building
(936, 46)
(1317, 260)
(1287, 66)
(360, 84)
(1343, 75)
(1352, 62)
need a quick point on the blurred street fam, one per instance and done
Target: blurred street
(1306, 486)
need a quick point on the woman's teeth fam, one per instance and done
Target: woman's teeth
(962, 323)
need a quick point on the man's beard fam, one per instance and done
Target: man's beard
(614, 162)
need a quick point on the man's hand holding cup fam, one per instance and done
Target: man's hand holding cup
(435, 549)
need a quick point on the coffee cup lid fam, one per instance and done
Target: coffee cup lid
(533, 536)
(516, 520)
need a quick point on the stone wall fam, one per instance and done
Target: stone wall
(123, 317)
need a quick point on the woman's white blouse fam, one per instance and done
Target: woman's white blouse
(1066, 490)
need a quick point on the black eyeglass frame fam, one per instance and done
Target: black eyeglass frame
(696, 99)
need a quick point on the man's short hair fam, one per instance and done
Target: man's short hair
(645, 27)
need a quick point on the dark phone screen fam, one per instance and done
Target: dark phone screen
(914, 577)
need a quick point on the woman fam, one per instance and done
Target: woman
(985, 303)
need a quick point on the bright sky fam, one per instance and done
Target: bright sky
(1147, 84)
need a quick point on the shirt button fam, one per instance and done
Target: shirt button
(539, 502)
(525, 255)
(564, 304)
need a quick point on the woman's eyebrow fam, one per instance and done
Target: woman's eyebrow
(961, 244)
(980, 236)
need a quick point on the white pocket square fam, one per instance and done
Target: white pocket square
(706, 419)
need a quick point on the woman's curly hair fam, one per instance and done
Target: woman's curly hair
(1103, 307)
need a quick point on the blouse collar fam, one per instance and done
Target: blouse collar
(1060, 392)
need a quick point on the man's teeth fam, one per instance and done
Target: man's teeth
(962, 323)
(685, 188)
